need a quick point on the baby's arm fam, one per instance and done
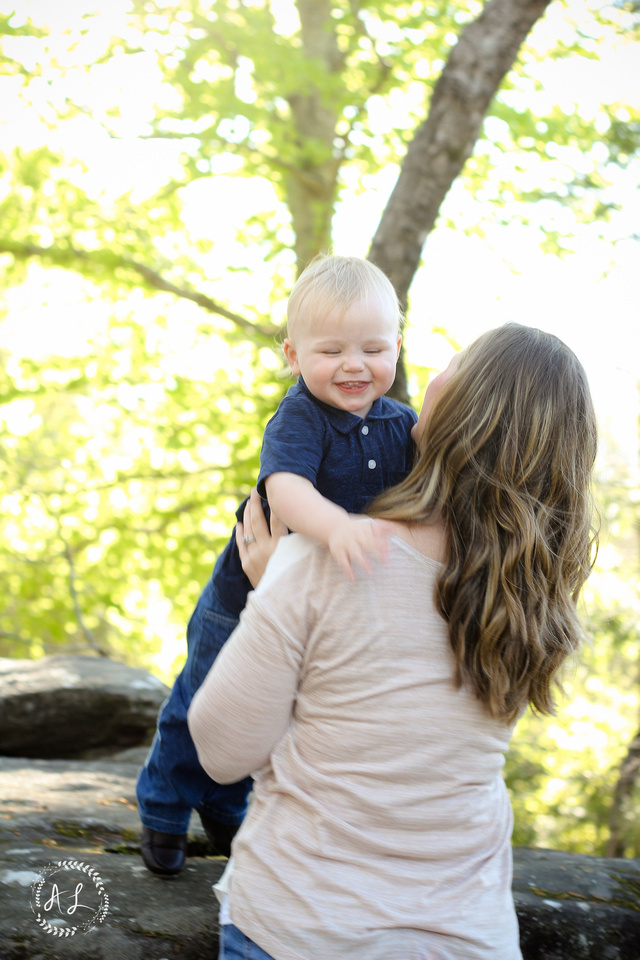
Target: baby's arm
(351, 538)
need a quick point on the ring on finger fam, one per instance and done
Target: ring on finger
(248, 540)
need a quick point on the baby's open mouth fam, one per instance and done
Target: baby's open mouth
(353, 384)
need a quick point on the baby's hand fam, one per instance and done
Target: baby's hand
(354, 541)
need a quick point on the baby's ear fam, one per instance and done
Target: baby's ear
(291, 355)
(398, 345)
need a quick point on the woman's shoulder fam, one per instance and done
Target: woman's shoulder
(289, 553)
(306, 561)
(428, 540)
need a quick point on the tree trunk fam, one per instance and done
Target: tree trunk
(311, 187)
(622, 794)
(629, 771)
(469, 81)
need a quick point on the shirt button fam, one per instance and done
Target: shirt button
(365, 430)
(371, 464)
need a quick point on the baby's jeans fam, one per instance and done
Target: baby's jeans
(172, 782)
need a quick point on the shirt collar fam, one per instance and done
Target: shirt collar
(345, 422)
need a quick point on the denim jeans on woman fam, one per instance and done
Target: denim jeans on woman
(235, 946)
(172, 783)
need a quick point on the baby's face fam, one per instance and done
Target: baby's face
(348, 360)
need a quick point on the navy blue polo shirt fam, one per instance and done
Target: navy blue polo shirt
(349, 460)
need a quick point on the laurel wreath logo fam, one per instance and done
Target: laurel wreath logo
(48, 874)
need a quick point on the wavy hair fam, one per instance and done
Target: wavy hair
(505, 462)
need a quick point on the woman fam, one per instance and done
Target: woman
(375, 715)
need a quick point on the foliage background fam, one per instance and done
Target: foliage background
(153, 212)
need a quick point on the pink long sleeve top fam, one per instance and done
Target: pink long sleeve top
(380, 823)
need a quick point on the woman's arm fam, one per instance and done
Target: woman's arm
(245, 704)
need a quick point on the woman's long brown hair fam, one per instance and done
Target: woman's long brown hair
(505, 461)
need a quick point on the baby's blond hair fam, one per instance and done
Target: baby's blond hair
(329, 282)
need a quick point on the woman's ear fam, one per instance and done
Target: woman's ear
(292, 356)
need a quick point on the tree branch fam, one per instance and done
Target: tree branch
(15, 637)
(65, 256)
(485, 52)
(124, 479)
(91, 640)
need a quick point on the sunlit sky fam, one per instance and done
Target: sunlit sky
(467, 284)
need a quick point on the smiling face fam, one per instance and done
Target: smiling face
(348, 359)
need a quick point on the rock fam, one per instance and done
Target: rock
(84, 812)
(575, 907)
(46, 800)
(67, 706)
(570, 907)
(147, 918)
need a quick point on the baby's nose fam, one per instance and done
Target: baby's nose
(353, 361)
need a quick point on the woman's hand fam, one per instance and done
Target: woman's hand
(255, 554)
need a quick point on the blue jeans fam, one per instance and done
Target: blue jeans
(235, 946)
(172, 783)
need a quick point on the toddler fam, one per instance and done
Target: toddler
(334, 443)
